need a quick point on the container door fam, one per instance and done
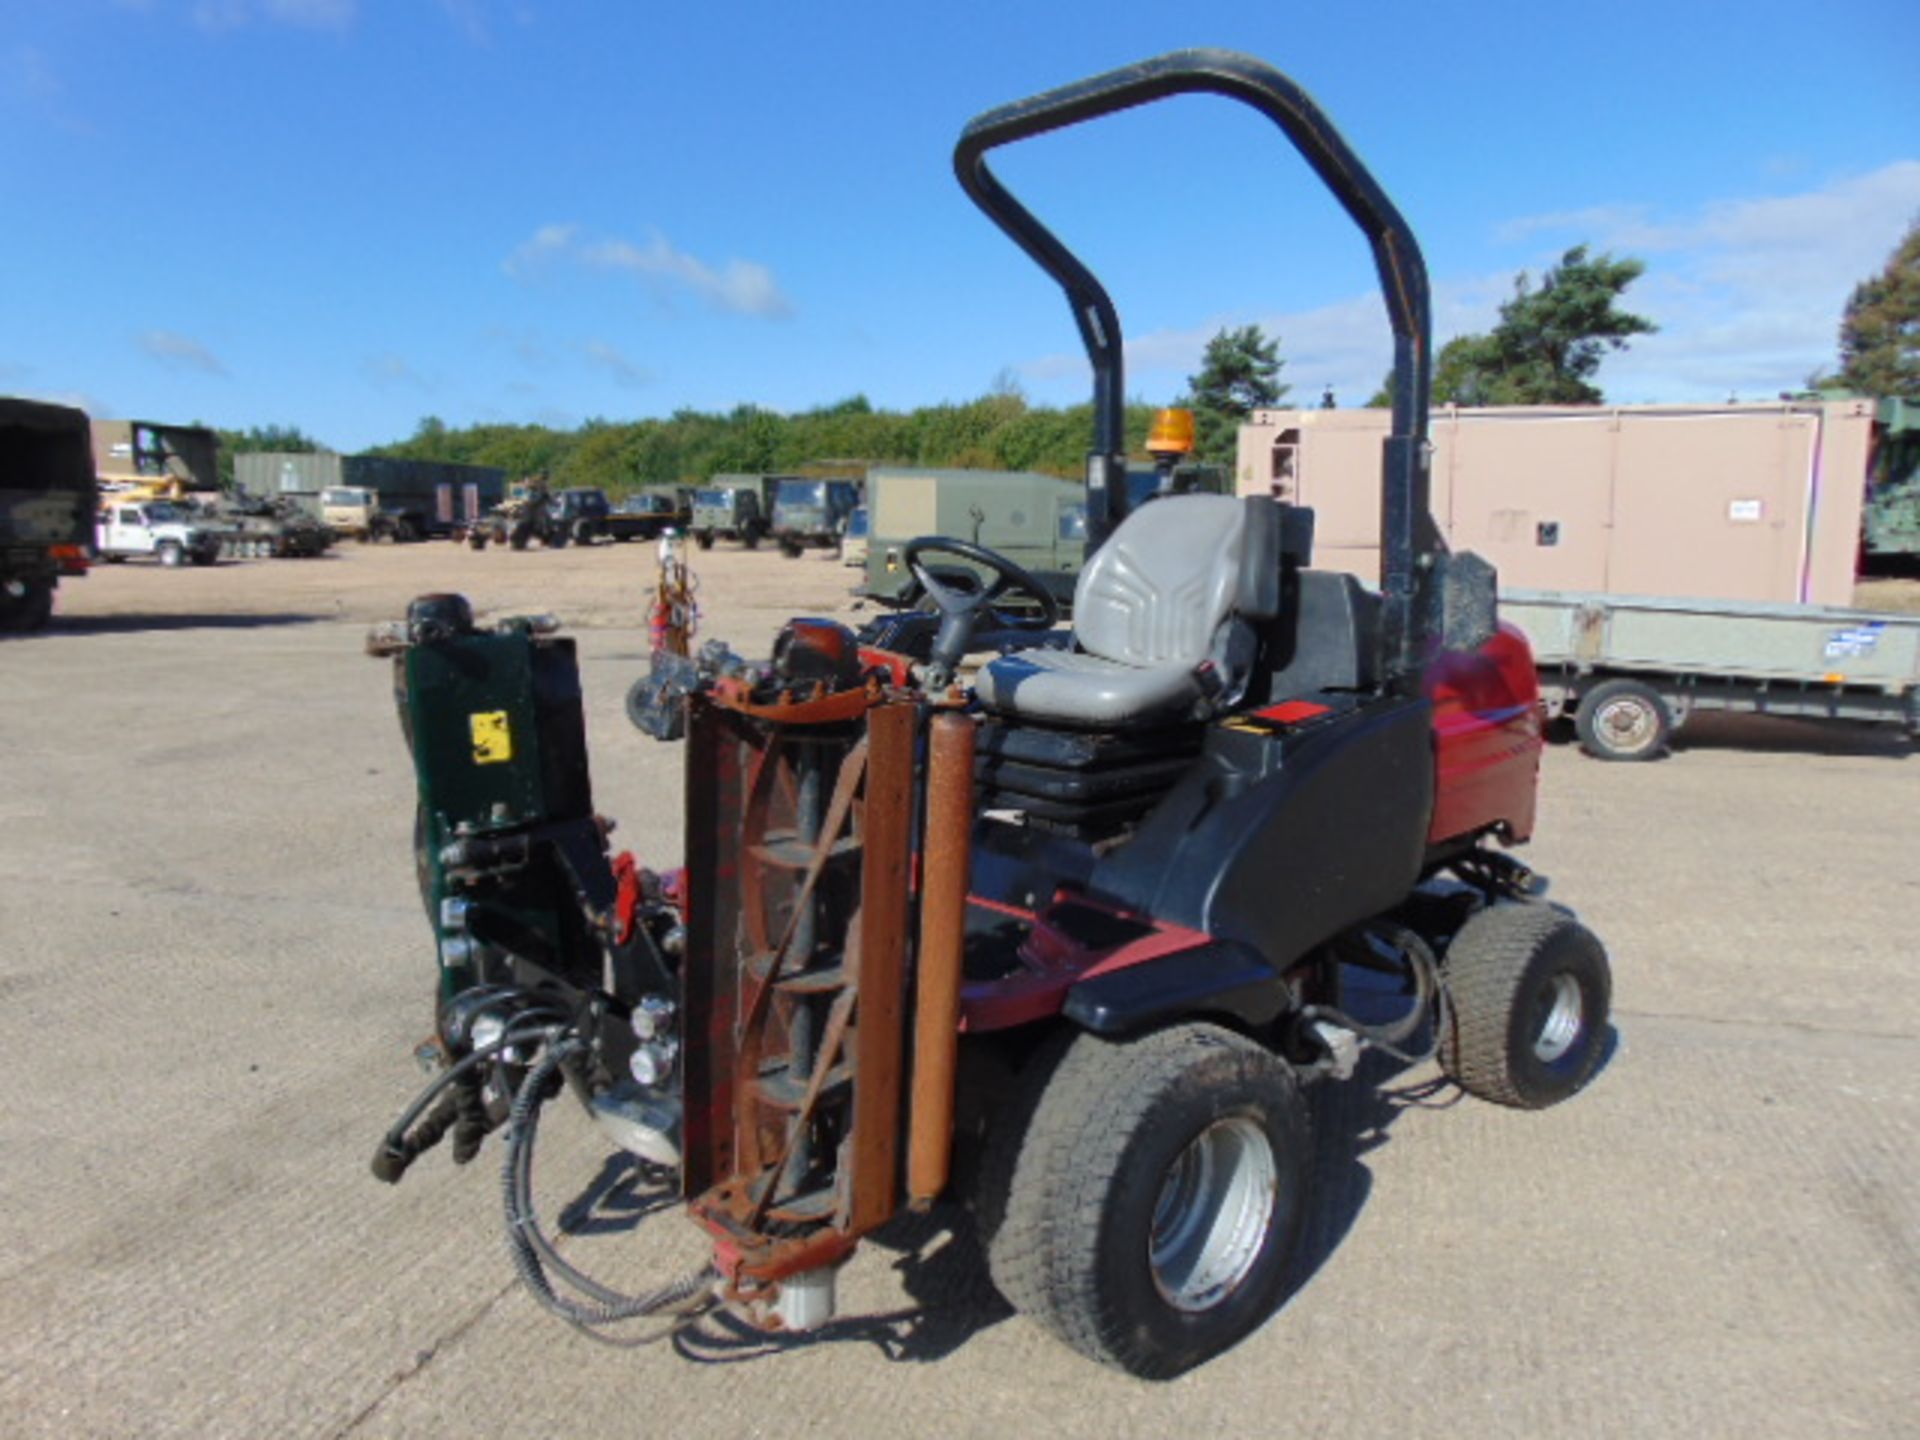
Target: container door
(443, 502)
(1713, 505)
(1530, 495)
(470, 500)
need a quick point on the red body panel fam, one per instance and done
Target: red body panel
(1486, 736)
(1487, 742)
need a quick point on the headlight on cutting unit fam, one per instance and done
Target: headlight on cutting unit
(652, 1062)
(487, 1029)
(652, 1017)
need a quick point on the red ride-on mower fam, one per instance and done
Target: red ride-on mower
(1063, 946)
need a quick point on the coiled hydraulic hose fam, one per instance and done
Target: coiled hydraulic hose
(1429, 998)
(533, 1254)
(402, 1144)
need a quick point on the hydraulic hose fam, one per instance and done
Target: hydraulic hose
(399, 1148)
(527, 1243)
(1429, 997)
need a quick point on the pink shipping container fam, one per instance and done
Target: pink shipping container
(1725, 502)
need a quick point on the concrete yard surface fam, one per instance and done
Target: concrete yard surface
(213, 968)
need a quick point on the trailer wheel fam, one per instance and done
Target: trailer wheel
(1146, 1213)
(750, 539)
(205, 557)
(519, 536)
(1623, 720)
(1528, 993)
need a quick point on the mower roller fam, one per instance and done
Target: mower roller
(1062, 944)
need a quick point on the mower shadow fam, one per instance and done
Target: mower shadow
(941, 1263)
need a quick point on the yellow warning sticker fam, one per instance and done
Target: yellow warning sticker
(492, 740)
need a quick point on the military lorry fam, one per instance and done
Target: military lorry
(648, 515)
(349, 511)
(1890, 531)
(47, 498)
(810, 512)
(412, 499)
(853, 540)
(1037, 521)
(733, 507)
(1040, 521)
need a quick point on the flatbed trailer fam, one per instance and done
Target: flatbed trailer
(1630, 670)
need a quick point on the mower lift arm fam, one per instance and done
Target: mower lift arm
(1409, 542)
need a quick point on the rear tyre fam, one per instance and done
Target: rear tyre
(27, 611)
(1147, 1213)
(750, 540)
(517, 540)
(1528, 991)
(703, 538)
(205, 557)
(1623, 720)
(170, 554)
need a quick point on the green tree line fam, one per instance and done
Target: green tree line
(998, 431)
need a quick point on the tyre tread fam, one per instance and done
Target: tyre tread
(1485, 967)
(1044, 1256)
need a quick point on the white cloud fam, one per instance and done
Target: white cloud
(180, 352)
(27, 75)
(610, 359)
(745, 287)
(1346, 345)
(469, 17)
(386, 370)
(215, 16)
(1747, 294)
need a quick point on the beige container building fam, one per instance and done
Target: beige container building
(1724, 502)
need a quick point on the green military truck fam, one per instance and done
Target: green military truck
(733, 507)
(47, 499)
(1037, 521)
(811, 511)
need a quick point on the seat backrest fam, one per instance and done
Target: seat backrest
(1158, 589)
(1334, 637)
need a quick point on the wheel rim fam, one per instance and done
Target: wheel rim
(1627, 724)
(1214, 1211)
(1562, 1015)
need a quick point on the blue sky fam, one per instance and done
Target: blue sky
(347, 214)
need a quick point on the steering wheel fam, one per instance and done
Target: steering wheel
(960, 611)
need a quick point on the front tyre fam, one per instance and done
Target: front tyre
(1153, 1201)
(1528, 993)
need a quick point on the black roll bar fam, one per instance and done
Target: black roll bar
(1410, 544)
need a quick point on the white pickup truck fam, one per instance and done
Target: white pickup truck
(159, 528)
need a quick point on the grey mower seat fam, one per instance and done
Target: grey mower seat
(1149, 612)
